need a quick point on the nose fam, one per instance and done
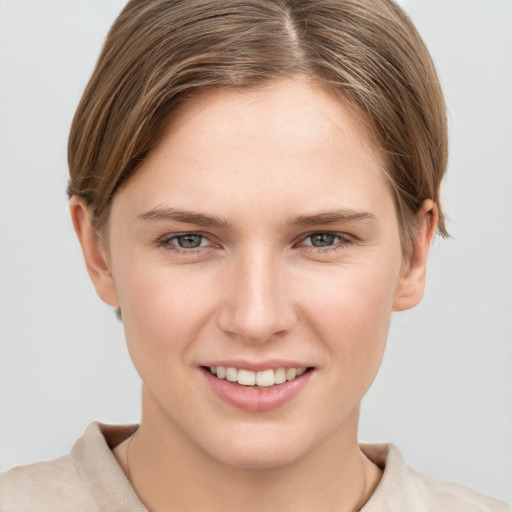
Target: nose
(258, 303)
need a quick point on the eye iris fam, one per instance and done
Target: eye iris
(189, 241)
(322, 239)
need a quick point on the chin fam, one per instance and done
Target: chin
(260, 452)
(258, 459)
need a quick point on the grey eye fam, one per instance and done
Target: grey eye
(189, 241)
(322, 239)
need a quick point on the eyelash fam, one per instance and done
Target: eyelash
(166, 242)
(344, 240)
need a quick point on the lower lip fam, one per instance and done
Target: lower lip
(253, 399)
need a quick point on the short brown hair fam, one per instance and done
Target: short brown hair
(157, 51)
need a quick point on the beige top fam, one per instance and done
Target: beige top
(89, 479)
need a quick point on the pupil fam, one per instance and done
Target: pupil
(189, 241)
(322, 239)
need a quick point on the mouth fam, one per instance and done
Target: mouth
(257, 387)
(268, 378)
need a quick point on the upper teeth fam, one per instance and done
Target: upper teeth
(264, 378)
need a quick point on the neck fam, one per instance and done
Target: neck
(169, 472)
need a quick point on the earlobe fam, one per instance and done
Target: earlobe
(412, 280)
(94, 253)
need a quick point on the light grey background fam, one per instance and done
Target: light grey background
(444, 393)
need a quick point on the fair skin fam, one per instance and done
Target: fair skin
(292, 258)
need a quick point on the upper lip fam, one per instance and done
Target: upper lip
(257, 366)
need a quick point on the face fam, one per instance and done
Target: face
(258, 238)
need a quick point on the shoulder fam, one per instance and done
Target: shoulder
(53, 485)
(455, 497)
(89, 479)
(403, 489)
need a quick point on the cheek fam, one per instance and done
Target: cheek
(163, 310)
(357, 297)
(351, 315)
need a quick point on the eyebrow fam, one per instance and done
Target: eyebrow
(332, 217)
(322, 218)
(187, 217)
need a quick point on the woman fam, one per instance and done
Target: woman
(255, 186)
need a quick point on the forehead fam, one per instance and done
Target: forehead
(292, 142)
(289, 108)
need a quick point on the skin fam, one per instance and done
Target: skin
(267, 162)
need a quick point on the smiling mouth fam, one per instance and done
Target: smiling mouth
(261, 379)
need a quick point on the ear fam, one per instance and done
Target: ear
(94, 252)
(411, 285)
